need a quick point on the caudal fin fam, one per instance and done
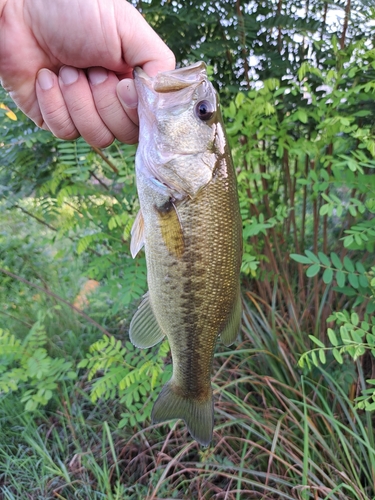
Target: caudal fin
(198, 415)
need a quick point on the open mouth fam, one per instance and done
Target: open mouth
(175, 80)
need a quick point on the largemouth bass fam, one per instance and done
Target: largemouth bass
(190, 226)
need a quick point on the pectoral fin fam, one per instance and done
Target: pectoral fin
(171, 228)
(138, 235)
(144, 328)
(232, 328)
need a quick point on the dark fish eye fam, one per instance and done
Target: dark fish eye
(204, 110)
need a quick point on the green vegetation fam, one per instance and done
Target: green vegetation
(294, 397)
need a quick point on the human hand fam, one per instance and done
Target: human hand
(67, 64)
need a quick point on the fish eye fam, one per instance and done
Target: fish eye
(204, 110)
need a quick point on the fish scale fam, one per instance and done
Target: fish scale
(191, 229)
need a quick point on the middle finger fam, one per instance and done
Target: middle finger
(79, 100)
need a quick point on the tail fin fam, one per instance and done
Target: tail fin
(198, 415)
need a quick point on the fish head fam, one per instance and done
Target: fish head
(181, 131)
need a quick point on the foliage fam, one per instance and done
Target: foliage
(249, 42)
(307, 190)
(129, 374)
(297, 82)
(26, 367)
(277, 435)
(350, 277)
(78, 193)
(306, 147)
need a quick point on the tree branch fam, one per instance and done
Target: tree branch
(345, 27)
(103, 157)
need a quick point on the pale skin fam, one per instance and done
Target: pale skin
(68, 65)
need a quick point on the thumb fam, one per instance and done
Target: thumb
(141, 46)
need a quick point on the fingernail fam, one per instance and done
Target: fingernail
(97, 75)
(68, 75)
(45, 79)
(127, 94)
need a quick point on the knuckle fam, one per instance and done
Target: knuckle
(60, 123)
(71, 136)
(103, 143)
(99, 137)
(128, 135)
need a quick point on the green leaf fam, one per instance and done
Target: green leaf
(340, 278)
(312, 270)
(337, 355)
(31, 405)
(322, 356)
(302, 259)
(365, 326)
(302, 360)
(314, 358)
(353, 280)
(353, 213)
(370, 407)
(348, 240)
(363, 281)
(348, 264)
(344, 334)
(312, 256)
(354, 318)
(324, 259)
(332, 337)
(336, 260)
(328, 276)
(302, 115)
(362, 112)
(360, 267)
(316, 341)
(324, 209)
(360, 350)
(358, 238)
(48, 395)
(239, 99)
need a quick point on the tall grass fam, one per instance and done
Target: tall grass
(279, 433)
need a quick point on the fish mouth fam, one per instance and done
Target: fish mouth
(174, 80)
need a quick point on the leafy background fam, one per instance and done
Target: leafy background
(294, 397)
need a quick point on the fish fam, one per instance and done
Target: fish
(190, 226)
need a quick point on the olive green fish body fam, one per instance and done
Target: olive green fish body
(191, 229)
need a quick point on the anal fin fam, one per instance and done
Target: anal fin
(232, 328)
(144, 329)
